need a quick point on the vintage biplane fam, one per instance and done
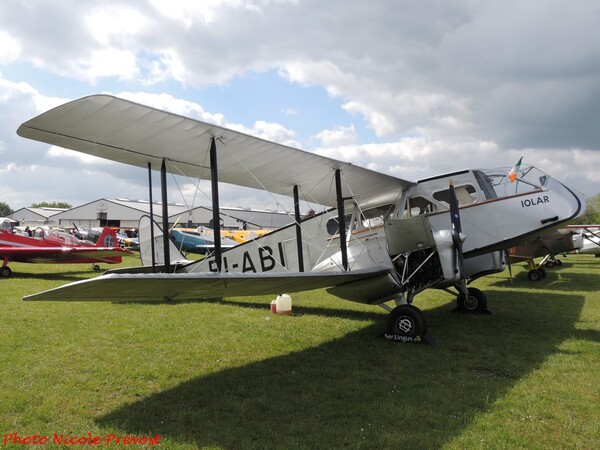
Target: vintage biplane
(48, 245)
(378, 240)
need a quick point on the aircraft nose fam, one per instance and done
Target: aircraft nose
(583, 201)
(574, 204)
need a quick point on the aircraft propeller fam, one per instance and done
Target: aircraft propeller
(457, 237)
(175, 224)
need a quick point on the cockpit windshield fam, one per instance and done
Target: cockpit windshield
(496, 183)
(6, 225)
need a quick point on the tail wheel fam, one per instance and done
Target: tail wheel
(407, 321)
(476, 302)
(550, 264)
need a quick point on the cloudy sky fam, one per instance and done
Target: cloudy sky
(410, 88)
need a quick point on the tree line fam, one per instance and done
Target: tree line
(6, 210)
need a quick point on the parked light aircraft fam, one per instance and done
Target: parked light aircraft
(244, 235)
(564, 240)
(54, 246)
(381, 240)
(199, 240)
(591, 238)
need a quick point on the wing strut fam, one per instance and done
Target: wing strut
(151, 217)
(165, 214)
(341, 218)
(297, 219)
(214, 181)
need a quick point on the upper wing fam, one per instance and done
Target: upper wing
(62, 254)
(194, 286)
(124, 131)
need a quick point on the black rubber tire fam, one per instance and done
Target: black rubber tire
(407, 321)
(5, 272)
(476, 303)
(534, 275)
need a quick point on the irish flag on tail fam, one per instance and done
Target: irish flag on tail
(512, 175)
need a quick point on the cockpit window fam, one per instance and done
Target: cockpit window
(375, 216)
(465, 195)
(528, 179)
(5, 225)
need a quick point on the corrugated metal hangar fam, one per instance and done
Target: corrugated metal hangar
(126, 213)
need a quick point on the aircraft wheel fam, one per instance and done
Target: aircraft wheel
(542, 271)
(534, 275)
(5, 272)
(558, 262)
(96, 268)
(477, 301)
(407, 321)
(550, 264)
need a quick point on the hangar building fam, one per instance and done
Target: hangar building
(126, 213)
(35, 216)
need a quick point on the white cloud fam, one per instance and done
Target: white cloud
(340, 136)
(10, 49)
(443, 86)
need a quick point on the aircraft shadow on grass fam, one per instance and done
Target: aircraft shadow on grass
(557, 279)
(358, 390)
(298, 310)
(71, 275)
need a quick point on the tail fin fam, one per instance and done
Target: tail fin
(108, 238)
(146, 245)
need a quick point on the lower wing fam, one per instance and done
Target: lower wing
(193, 286)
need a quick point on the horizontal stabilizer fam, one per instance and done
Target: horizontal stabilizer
(194, 286)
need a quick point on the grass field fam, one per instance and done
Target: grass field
(229, 375)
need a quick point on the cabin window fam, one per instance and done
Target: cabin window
(333, 226)
(465, 195)
(417, 206)
(374, 217)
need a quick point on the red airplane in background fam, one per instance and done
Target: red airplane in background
(54, 246)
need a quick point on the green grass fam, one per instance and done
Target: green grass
(229, 375)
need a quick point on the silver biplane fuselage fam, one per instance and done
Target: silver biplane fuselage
(411, 234)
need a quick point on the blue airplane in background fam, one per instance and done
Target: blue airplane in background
(199, 241)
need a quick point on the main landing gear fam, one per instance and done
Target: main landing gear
(5, 272)
(406, 323)
(475, 302)
(536, 274)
